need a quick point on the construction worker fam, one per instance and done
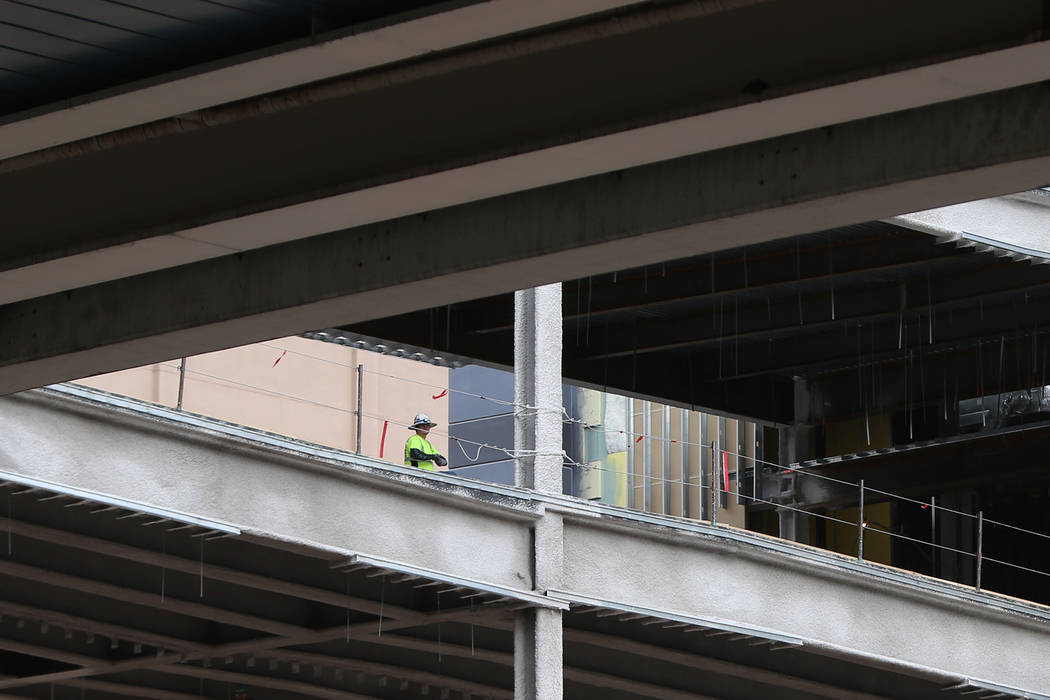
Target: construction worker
(418, 450)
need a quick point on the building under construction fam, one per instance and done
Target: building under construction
(767, 434)
(908, 355)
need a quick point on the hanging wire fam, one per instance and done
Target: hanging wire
(475, 458)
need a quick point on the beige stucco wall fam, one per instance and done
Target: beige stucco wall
(309, 394)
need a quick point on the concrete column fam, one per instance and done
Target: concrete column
(537, 385)
(787, 522)
(537, 440)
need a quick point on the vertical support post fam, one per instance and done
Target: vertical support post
(980, 546)
(647, 457)
(702, 476)
(687, 477)
(665, 414)
(756, 462)
(538, 444)
(861, 524)
(631, 500)
(360, 390)
(722, 465)
(933, 535)
(182, 383)
(714, 483)
(741, 461)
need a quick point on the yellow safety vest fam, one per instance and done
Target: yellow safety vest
(417, 443)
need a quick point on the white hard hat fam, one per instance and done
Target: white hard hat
(422, 419)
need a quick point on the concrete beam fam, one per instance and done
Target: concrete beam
(916, 632)
(715, 666)
(279, 684)
(215, 572)
(134, 691)
(346, 502)
(405, 672)
(101, 629)
(1014, 225)
(640, 688)
(338, 53)
(259, 645)
(179, 206)
(131, 596)
(66, 657)
(865, 613)
(809, 181)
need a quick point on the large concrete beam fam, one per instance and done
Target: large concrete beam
(1014, 225)
(519, 112)
(828, 605)
(325, 505)
(395, 39)
(908, 626)
(778, 187)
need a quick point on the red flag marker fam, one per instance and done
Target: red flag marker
(725, 470)
(278, 359)
(382, 440)
(443, 393)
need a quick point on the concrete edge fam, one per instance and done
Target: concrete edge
(811, 559)
(491, 499)
(523, 504)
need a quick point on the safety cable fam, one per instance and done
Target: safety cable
(511, 454)
(573, 464)
(569, 419)
(1015, 566)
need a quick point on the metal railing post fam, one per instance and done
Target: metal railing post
(980, 546)
(755, 468)
(647, 457)
(687, 479)
(861, 524)
(665, 455)
(632, 498)
(360, 387)
(933, 535)
(714, 483)
(182, 383)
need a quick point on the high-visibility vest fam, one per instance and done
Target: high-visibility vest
(417, 443)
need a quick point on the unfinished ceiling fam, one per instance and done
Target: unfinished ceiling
(872, 317)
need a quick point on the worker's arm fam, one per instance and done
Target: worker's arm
(421, 456)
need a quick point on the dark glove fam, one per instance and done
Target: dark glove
(440, 461)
